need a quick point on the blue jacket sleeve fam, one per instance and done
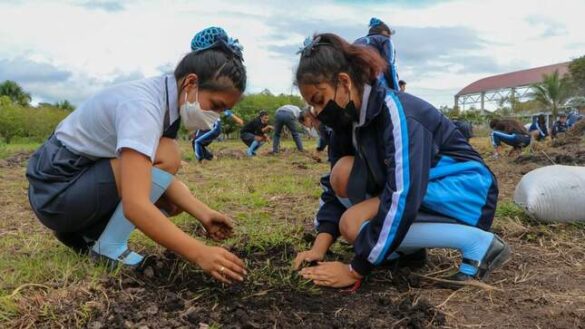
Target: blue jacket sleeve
(409, 148)
(331, 209)
(389, 54)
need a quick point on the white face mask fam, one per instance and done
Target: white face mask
(194, 117)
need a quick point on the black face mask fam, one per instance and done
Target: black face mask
(336, 117)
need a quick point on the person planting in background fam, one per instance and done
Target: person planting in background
(309, 121)
(110, 165)
(538, 128)
(560, 126)
(253, 134)
(286, 115)
(510, 132)
(202, 138)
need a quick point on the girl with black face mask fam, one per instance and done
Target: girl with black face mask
(403, 178)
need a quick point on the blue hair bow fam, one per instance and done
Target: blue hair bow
(309, 45)
(215, 37)
(374, 22)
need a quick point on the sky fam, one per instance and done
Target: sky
(59, 50)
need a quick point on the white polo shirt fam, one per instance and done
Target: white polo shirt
(295, 110)
(128, 115)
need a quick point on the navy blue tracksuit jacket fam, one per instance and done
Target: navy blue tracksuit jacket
(385, 47)
(413, 158)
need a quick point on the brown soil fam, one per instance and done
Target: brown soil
(158, 296)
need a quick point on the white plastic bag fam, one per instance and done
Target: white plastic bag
(553, 194)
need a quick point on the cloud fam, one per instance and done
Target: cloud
(121, 77)
(167, 68)
(108, 6)
(399, 3)
(550, 27)
(441, 45)
(420, 50)
(25, 71)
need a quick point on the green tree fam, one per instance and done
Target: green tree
(12, 121)
(552, 92)
(15, 93)
(577, 70)
(65, 105)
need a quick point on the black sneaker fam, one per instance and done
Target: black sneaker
(497, 255)
(74, 241)
(413, 260)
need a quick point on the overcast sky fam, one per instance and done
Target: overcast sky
(70, 49)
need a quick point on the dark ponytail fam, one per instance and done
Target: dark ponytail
(327, 55)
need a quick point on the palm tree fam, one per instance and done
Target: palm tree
(552, 92)
(14, 92)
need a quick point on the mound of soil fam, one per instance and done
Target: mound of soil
(15, 160)
(567, 154)
(166, 292)
(230, 153)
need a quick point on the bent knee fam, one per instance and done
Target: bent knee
(168, 156)
(348, 226)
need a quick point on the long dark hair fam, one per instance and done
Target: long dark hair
(217, 69)
(327, 55)
(508, 126)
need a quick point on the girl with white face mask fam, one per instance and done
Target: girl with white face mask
(110, 165)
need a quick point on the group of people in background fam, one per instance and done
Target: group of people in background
(511, 132)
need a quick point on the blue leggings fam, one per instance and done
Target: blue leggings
(202, 139)
(514, 140)
(472, 242)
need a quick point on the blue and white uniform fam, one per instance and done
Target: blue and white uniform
(541, 128)
(385, 47)
(72, 185)
(203, 138)
(415, 159)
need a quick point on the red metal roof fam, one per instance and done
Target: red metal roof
(514, 79)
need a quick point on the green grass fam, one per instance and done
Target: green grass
(7, 150)
(271, 198)
(37, 261)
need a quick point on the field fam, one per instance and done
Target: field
(273, 199)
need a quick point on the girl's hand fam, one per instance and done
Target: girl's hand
(219, 263)
(331, 274)
(307, 256)
(218, 226)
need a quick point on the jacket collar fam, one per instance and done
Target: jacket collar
(372, 102)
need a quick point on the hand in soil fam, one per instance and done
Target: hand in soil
(306, 258)
(221, 264)
(331, 274)
(218, 226)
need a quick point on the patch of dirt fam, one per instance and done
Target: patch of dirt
(15, 160)
(509, 170)
(163, 293)
(229, 153)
